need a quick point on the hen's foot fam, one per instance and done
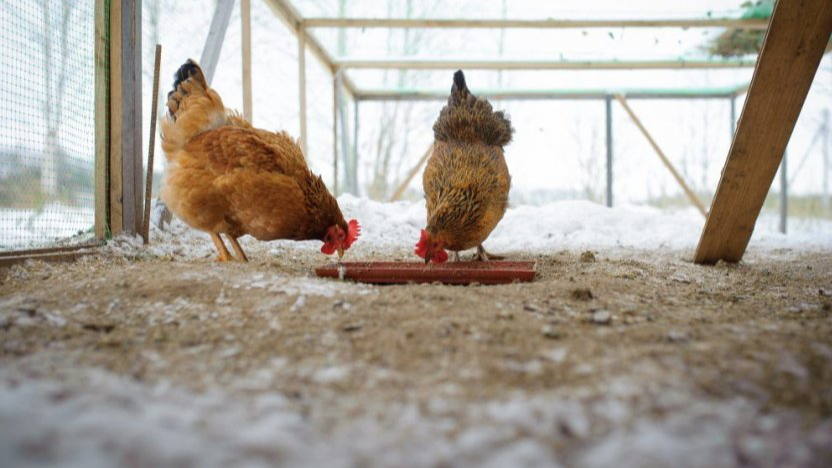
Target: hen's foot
(456, 256)
(224, 255)
(484, 256)
(238, 249)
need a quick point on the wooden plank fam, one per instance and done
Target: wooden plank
(49, 250)
(116, 117)
(6, 262)
(669, 165)
(132, 154)
(410, 175)
(102, 103)
(794, 45)
(466, 64)
(732, 23)
(216, 35)
(126, 184)
(245, 21)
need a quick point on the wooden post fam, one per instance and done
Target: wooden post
(126, 192)
(825, 152)
(152, 146)
(608, 106)
(302, 89)
(690, 194)
(354, 172)
(410, 175)
(794, 45)
(245, 19)
(335, 98)
(784, 194)
(733, 101)
(216, 35)
(102, 118)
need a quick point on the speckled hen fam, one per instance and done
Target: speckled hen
(466, 181)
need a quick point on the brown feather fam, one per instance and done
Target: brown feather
(466, 181)
(226, 176)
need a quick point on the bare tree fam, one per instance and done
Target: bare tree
(56, 69)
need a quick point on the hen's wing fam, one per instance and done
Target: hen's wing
(261, 175)
(229, 148)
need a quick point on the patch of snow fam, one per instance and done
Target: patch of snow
(563, 225)
(88, 418)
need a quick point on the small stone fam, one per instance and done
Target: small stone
(601, 317)
(582, 294)
(588, 257)
(677, 336)
(529, 307)
(505, 315)
(352, 327)
(552, 332)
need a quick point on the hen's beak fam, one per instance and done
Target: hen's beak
(428, 256)
(340, 251)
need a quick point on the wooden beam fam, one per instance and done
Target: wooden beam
(284, 10)
(410, 175)
(792, 50)
(102, 121)
(466, 64)
(688, 192)
(126, 169)
(245, 20)
(216, 35)
(732, 23)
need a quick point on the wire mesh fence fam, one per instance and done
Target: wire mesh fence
(47, 122)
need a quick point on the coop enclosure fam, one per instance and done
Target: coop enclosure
(602, 100)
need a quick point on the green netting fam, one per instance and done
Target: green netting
(47, 122)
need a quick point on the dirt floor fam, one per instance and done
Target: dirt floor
(611, 357)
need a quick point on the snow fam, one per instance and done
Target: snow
(390, 228)
(572, 225)
(89, 418)
(21, 228)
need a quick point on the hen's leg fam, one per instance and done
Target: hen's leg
(238, 249)
(220, 245)
(484, 256)
(456, 256)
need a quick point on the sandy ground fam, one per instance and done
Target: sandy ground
(631, 358)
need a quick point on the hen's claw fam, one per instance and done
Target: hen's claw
(484, 256)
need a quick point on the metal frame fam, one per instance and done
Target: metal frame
(449, 64)
(735, 23)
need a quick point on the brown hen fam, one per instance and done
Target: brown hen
(466, 181)
(225, 176)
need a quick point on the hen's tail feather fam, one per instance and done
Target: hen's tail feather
(188, 80)
(471, 119)
(193, 108)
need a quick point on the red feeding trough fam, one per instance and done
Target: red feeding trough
(418, 272)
